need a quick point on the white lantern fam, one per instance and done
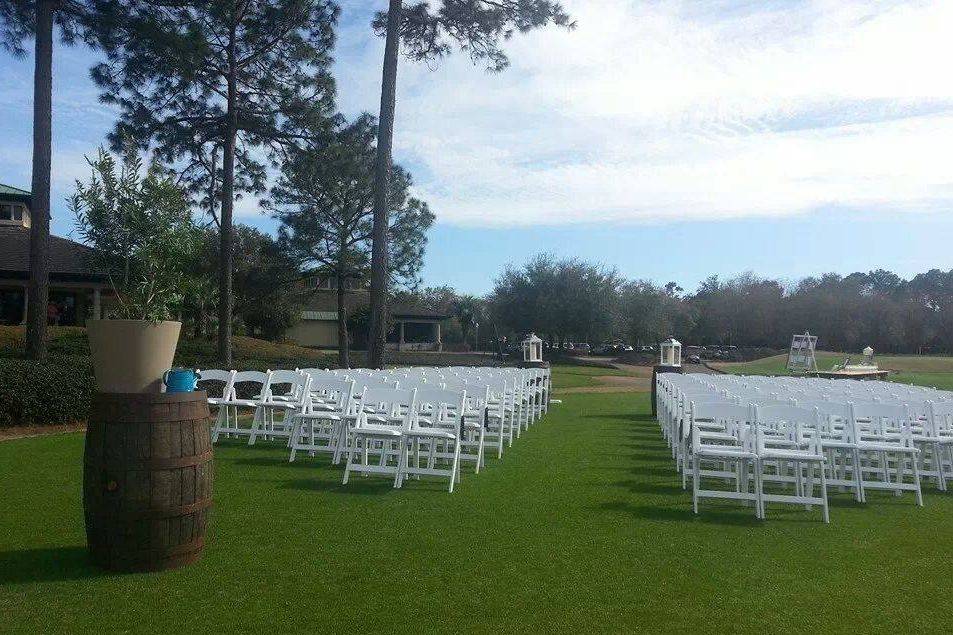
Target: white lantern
(532, 349)
(670, 352)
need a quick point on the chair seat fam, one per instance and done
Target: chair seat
(278, 404)
(375, 430)
(830, 443)
(435, 433)
(793, 455)
(244, 403)
(885, 447)
(726, 452)
(323, 416)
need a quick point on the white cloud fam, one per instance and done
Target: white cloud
(655, 111)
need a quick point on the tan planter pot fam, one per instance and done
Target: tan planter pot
(131, 355)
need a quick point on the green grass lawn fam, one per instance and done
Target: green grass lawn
(935, 371)
(566, 376)
(582, 527)
(777, 364)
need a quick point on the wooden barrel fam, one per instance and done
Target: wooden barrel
(147, 480)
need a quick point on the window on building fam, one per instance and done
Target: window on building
(11, 211)
(11, 306)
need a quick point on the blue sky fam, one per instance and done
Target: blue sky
(669, 139)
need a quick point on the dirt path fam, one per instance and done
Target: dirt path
(23, 432)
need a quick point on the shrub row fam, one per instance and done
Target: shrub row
(59, 391)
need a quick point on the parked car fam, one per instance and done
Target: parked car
(581, 348)
(614, 348)
(694, 359)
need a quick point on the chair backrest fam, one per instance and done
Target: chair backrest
(879, 418)
(732, 417)
(295, 380)
(792, 423)
(940, 415)
(366, 381)
(390, 402)
(218, 375)
(334, 391)
(251, 383)
(444, 407)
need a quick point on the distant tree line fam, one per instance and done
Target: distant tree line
(566, 300)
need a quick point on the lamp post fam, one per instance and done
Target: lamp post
(532, 349)
(670, 361)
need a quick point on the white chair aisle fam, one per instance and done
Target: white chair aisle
(416, 422)
(788, 440)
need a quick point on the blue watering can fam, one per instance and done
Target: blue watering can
(180, 380)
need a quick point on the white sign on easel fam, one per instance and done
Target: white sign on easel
(801, 356)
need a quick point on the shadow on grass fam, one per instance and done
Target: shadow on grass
(646, 487)
(627, 417)
(356, 485)
(741, 518)
(658, 456)
(282, 461)
(647, 470)
(52, 564)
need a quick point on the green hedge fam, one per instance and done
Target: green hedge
(57, 392)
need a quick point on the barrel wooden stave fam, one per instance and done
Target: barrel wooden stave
(147, 480)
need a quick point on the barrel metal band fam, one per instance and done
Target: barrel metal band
(163, 512)
(116, 464)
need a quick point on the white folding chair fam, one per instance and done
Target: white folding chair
(383, 416)
(435, 433)
(248, 381)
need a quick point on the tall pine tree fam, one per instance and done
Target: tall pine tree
(324, 200)
(235, 79)
(19, 21)
(478, 27)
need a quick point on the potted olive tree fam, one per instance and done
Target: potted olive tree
(140, 227)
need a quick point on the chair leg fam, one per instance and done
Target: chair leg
(218, 422)
(827, 517)
(256, 422)
(916, 480)
(402, 458)
(695, 479)
(455, 466)
(293, 440)
(859, 477)
(758, 467)
(348, 458)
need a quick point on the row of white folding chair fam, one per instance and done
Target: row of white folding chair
(320, 407)
(390, 427)
(335, 433)
(876, 439)
(751, 439)
(265, 402)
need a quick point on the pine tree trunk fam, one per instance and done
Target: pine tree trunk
(39, 286)
(344, 344)
(385, 141)
(226, 300)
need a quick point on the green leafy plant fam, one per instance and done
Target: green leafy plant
(141, 230)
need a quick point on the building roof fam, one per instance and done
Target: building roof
(9, 190)
(409, 311)
(68, 259)
(323, 303)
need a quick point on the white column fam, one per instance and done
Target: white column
(400, 342)
(97, 304)
(439, 343)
